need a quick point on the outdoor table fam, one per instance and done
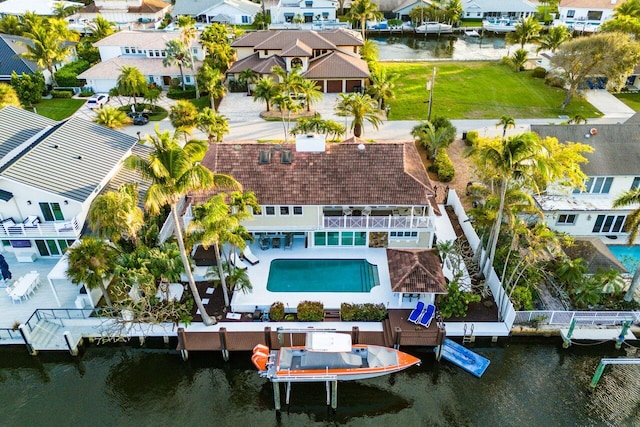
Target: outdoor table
(23, 286)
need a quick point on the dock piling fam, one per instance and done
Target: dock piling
(276, 396)
(223, 344)
(567, 339)
(625, 327)
(288, 395)
(73, 349)
(334, 395)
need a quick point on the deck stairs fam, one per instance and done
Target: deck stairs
(48, 335)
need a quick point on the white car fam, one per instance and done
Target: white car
(97, 100)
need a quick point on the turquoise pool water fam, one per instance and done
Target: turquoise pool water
(627, 255)
(322, 275)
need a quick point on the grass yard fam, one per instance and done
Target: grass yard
(477, 90)
(631, 99)
(58, 108)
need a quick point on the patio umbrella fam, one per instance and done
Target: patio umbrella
(4, 268)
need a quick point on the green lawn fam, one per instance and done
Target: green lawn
(58, 108)
(631, 99)
(477, 90)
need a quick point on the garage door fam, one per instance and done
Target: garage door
(334, 86)
(354, 86)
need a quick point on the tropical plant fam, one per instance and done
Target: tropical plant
(362, 108)
(115, 215)
(453, 11)
(370, 53)
(46, 49)
(10, 24)
(553, 38)
(287, 105)
(100, 28)
(431, 138)
(177, 53)
(183, 115)
(382, 86)
(29, 87)
(526, 31)
(211, 80)
(174, 172)
(131, 82)
(112, 117)
(213, 124)
(216, 42)
(507, 122)
(247, 77)
(311, 92)
(266, 89)
(363, 11)
(310, 311)
(92, 262)
(455, 302)
(632, 224)
(519, 59)
(276, 311)
(8, 96)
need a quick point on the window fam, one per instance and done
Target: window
(337, 238)
(636, 183)
(571, 13)
(51, 211)
(297, 210)
(245, 19)
(566, 219)
(126, 50)
(284, 210)
(594, 15)
(187, 79)
(403, 234)
(599, 185)
(609, 223)
(296, 62)
(270, 210)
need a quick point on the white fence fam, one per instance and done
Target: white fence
(564, 318)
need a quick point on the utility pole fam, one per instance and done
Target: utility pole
(430, 87)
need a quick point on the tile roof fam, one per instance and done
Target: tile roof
(298, 48)
(10, 60)
(617, 146)
(147, 6)
(416, 271)
(314, 39)
(71, 159)
(142, 39)
(590, 4)
(337, 65)
(260, 66)
(197, 7)
(343, 37)
(112, 68)
(384, 173)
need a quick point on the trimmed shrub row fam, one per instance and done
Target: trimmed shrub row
(310, 311)
(178, 93)
(61, 94)
(444, 166)
(363, 312)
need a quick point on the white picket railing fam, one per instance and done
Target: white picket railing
(564, 318)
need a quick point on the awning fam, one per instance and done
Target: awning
(308, 14)
(288, 14)
(5, 196)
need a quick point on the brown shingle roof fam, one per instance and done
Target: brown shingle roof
(415, 271)
(260, 66)
(341, 37)
(337, 65)
(281, 39)
(297, 49)
(383, 174)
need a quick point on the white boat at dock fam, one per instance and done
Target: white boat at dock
(434, 28)
(471, 33)
(500, 25)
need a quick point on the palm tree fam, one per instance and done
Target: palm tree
(100, 28)
(10, 24)
(247, 77)
(92, 262)
(174, 172)
(61, 10)
(47, 49)
(265, 90)
(211, 80)
(632, 224)
(577, 119)
(431, 138)
(553, 38)
(115, 215)
(177, 53)
(8, 96)
(290, 82)
(287, 105)
(131, 82)
(526, 31)
(507, 122)
(188, 34)
(363, 11)
(518, 59)
(183, 116)
(362, 108)
(112, 117)
(453, 11)
(382, 86)
(311, 92)
(214, 125)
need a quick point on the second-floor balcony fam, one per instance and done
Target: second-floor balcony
(388, 222)
(32, 227)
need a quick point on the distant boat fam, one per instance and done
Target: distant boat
(329, 355)
(471, 33)
(500, 25)
(434, 28)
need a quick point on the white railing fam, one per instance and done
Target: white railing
(46, 229)
(377, 222)
(564, 318)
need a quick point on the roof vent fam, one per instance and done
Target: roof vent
(277, 147)
(286, 157)
(361, 147)
(237, 147)
(55, 146)
(265, 157)
(79, 157)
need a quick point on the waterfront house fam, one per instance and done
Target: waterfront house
(586, 15)
(233, 12)
(307, 11)
(38, 7)
(402, 11)
(144, 50)
(612, 170)
(477, 10)
(124, 12)
(330, 58)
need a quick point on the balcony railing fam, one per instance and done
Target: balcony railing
(46, 229)
(378, 222)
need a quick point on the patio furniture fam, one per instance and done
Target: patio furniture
(249, 256)
(275, 242)
(416, 312)
(199, 274)
(288, 241)
(24, 286)
(31, 221)
(237, 262)
(428, 316)
(264, 241)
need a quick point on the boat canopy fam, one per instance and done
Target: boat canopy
(328, 341)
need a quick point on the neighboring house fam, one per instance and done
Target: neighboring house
(402, 11)
(477, 10)
(308, 11)
(142, 49)
(39, 7)
(50, 172)
(328, 57)
(586, 15)
(613, 168)
(125, 11)
(233, 12)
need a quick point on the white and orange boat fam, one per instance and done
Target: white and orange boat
(329, 356)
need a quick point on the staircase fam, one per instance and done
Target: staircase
(48, 335)
(369, 275)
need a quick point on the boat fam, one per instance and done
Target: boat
(471, 33)
(434, 28)
(329, 356)
(500, 25)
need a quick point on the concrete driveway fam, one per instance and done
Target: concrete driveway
(610, 106)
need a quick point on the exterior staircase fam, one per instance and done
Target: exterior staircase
(48, 335)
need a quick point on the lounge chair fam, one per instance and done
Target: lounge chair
(275, 242)
(415, 314)
(288, 241)
(249, 256)
(428, 316)
(237, 262)
(265, 242)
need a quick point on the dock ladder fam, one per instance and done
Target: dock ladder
(468, 338)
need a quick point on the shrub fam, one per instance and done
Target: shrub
(456, 302)
(444, 166)
(472, 138)
(68, 75)
(363, 312)
(276, 311)
(178, 93)
(29, 87)
(310, 311)
(522, 298)
(86, 93)
(555, 81)
(539, 73)
(61, 94)
(442, 122)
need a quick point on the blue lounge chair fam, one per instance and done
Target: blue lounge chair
(428, 316)
(416, 313)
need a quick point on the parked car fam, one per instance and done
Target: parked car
(139, 119)
(97, 100)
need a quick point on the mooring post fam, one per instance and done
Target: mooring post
(267, 336)
(165, 340)
(597, 375)
(223, 344)
(182, 345)
(73, 349)
(625, 327)
(334, 395)
(328, 392)
(26, 337)
(355, 335)
(396, 345)
(276, 396)
(288, 393)
(141, 338)
(567, 339)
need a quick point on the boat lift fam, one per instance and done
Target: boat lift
(604, 363)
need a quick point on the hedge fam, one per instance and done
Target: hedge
(472, 138)
(61, 94)
(177, 93)
(443, 163)
(67, 76)
(276, 311)
(310, 311)
(362, 312)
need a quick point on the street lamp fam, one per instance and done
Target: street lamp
(430, 87)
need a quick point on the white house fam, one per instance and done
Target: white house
(402, 11)
(308, 11)
(233, 12)
(39, 7)
(125, 11)
(613, 168)
(586, 15)
(477, 10)
(142, 49)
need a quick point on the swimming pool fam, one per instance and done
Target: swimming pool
(627, 255)
(322, 275)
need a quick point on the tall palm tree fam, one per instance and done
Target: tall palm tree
(100, 28)
(311, 92)
(382, 86)
(363, 11)
(247, 77)
(266, 89)
(10, 24)
(214, 125)
(553, 38)
(177, 53)
(632, 224)
(92, 262)
(287, 105)
(131, 82)
(183, 115)
(453, 11)
(115, 215)
(507, 122)
(526, 31)
(290, 82)
(112, 117)
(46, 49)
(174, 172)
(211, 80)
(188, 34)
(431, 138)
(362, 108)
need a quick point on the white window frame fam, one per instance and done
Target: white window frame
(301, 211)
(266, 211)
(567, 219)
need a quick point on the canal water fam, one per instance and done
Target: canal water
(527, 384)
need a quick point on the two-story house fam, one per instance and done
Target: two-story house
(50, 172)
(477, 10)
(232, 12)
(125, 12)
(307, 11)
(144, 50)
(612, 170)
(330, 58)
(586, 15)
